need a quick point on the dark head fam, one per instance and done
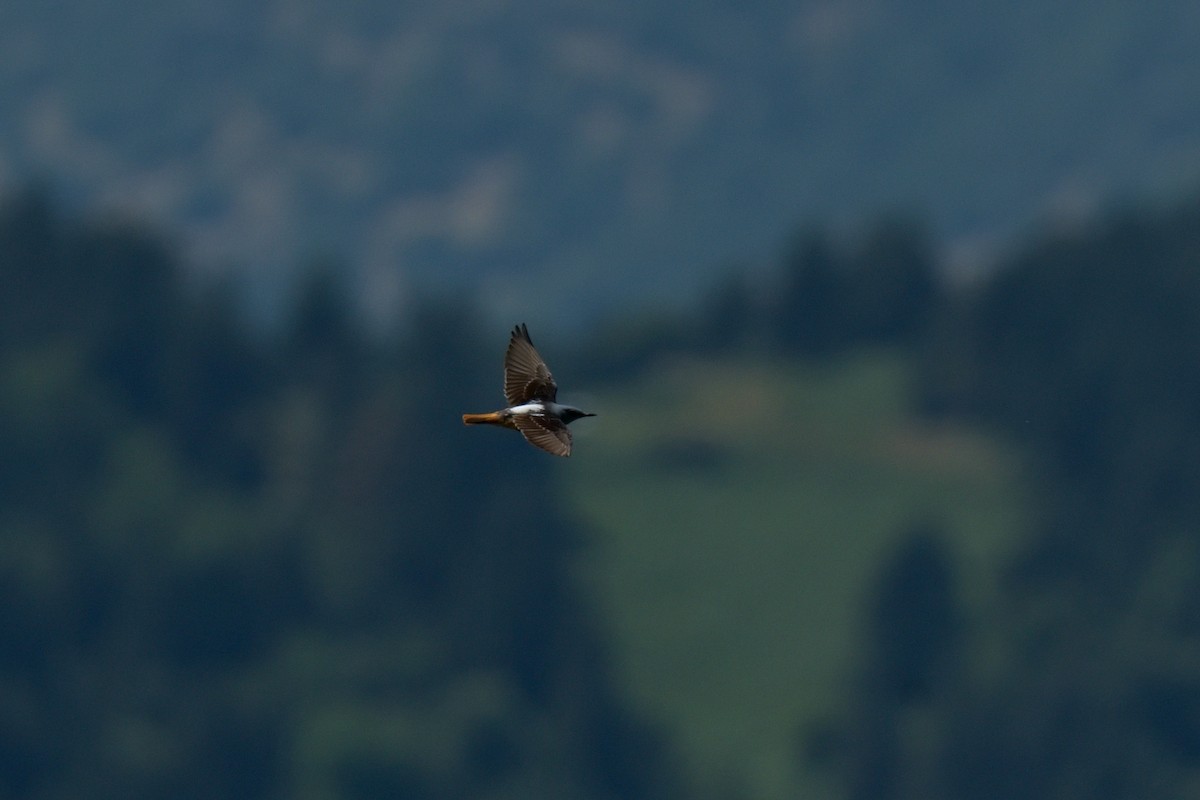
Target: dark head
(570, 414)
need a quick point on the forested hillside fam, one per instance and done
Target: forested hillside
(1081, 681)
(237, 567)
(272, 563)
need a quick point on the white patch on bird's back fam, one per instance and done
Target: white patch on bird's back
(527, 409)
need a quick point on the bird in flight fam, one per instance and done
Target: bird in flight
(530, 391)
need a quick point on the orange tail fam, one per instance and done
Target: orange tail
(492, 418)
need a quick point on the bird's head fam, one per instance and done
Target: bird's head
(570, 414)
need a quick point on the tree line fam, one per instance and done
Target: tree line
(245, 565)
(1082, 348)
(264, 565)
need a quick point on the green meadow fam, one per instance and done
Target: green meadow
(740, 511)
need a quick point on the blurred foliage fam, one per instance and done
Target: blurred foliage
(742, 505)
(272, 565)
(1078, 678)
(824, 298)
(1081, 681)
(244, 566)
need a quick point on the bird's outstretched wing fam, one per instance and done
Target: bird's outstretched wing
(548, 433)
(526, 376)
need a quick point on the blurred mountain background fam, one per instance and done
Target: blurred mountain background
(891, 317)
(600, 153)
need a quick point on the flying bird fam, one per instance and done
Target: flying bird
(530, 391)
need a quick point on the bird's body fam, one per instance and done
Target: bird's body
(532, 396)
(537, 407)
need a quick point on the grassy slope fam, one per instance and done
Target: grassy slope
(741, 511)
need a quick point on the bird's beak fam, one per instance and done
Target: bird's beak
(586, 414)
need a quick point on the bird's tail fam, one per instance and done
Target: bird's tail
(492, 418)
